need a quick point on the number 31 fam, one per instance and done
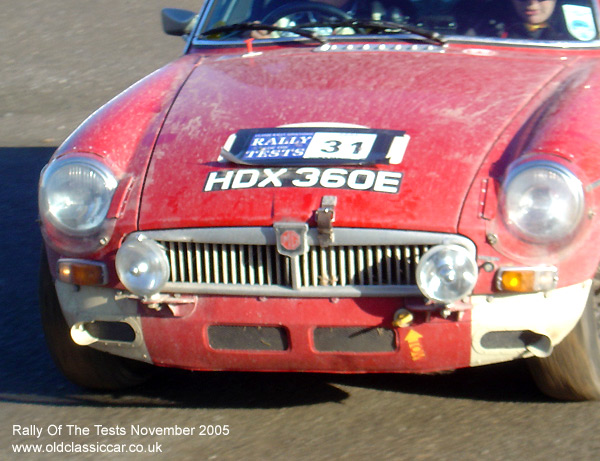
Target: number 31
(335, 146)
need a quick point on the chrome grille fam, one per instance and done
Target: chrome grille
(246, 262)
(373, 265)
(215, 263)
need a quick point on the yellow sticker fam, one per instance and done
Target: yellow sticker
(413, 339)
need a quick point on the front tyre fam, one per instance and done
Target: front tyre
(572, 372)
(82, 365)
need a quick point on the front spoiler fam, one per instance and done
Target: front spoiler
(345, 335)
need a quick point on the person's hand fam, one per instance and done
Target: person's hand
(260, 33)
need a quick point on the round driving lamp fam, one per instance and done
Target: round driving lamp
(446, 273)
(142, 266)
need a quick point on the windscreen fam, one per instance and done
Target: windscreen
(535, 20)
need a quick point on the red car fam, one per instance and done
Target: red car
(339, 186)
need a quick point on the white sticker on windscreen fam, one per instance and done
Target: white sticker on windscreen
(580, 22)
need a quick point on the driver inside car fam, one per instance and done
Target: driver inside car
(536, 20)
(521, 19)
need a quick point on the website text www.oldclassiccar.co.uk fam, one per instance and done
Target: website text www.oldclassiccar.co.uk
(60, 431)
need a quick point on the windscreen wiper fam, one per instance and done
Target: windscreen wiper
(244, 26)
(360, 25)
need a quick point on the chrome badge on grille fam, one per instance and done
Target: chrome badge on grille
(291, 238)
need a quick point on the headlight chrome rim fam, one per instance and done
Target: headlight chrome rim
(516, 219)
(102, 185)
(447, 273)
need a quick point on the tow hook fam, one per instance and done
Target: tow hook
(402, 318)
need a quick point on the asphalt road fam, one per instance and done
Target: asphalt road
(60, 60)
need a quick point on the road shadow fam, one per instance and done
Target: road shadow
(185, 389)
(504, 382)
(27, 374)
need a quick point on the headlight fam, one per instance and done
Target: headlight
(542, 202)
(142, 266)
(75, 195)
(447, 273)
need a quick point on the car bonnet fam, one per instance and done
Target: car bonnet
(453, 105)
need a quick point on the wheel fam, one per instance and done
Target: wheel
(319, 9)
(82, 365)
(572, 372)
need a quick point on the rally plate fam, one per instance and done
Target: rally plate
(316, 146)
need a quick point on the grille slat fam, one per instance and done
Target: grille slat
(261, 270)
(342, 265)
(388, 264)
(314, 267)
(172, 261)
(199, 265)
(262, 265)
(207, 265)
(278, 268)
(269, 266)
(181, 260)
(350, 264)
(406, 260)
(397, 260)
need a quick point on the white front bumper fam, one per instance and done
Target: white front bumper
(81, 305)
(498, 320)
